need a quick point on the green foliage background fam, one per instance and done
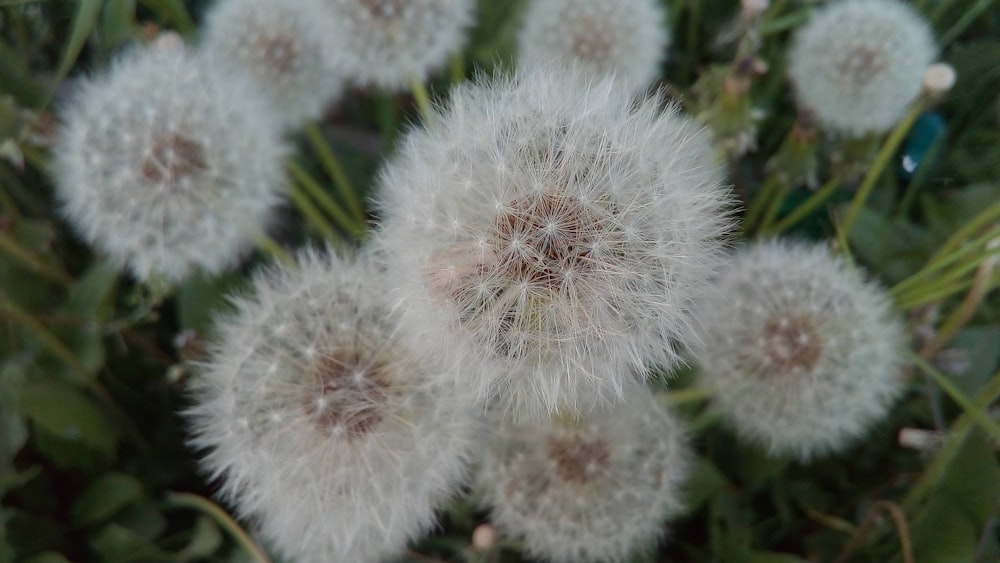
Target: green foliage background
(93, 465)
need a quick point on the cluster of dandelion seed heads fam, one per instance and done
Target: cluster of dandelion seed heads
(804, 354)
(388, 43)
(324, 427)
(628, 39)
(284, 49)
(593, 489)
(858, 63)
(168, 166)
(561, 229)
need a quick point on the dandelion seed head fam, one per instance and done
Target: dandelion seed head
(152, 165)
(802, 353)
(593, 489)
(282, 47)
(857, 64)
(628, 38)
(343, 446)
(588, 228)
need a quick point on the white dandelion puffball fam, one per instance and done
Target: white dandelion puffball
(324, 428)
(595, 489)
(858, 63)
(282, 46)
(388, 43)
(803, 355)
(558, 232)
(167, 166)
(628, 38)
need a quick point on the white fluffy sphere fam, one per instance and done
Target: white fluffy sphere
(556, 230)
(282, 47)
(625, 37)
(859, 63)
(386, 43)
(325, 429)
(595, 489)
(803, 355)
(168, 166)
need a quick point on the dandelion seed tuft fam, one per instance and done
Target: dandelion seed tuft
(282, 47)
(389, 43)
(857, 64)
(323, 427)
(628, 38)
(803, 354)
(594, 489)
(558, 232)
(167, 166)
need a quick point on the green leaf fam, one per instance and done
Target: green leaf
(48, 557)
(93, 294)
(894, 249)
(66, 414)
(83, 23)
(13, 431)
(772, 557)
(117, 544)
(118, 25)
(943, 534)
(143, 518)
(107, 495)
(980, 346)
(206, 538)
(705, 481)
(201, 296)
(174, 12)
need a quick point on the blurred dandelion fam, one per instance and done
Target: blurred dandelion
(560, 229)
(627, 38)
(857, 64)
(594, 489)
(802, 353)
(168, 166)
(321, 424)
(283, 49)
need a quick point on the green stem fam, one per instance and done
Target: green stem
(949, 277)
(10, 246)
(221, 517)
(938, 263)
(312, 187)
(806, 207)
(273, 249)
(979, 221)
(760, 201)
(312, 215)
(963, 313)
(957, 435)
(423, 100)
(879, 164)
(689, 395)
(456, 68)
(774, 207)
(968, 16)
(336, 172)
(969, 407)
(941, 293)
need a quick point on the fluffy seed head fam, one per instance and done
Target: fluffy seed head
(323, 426)
(803, 354)
(628, 38)
(167, 165)
(858, 63)
(282, 47)
(386, 43)
(595, 489)
(556, 230)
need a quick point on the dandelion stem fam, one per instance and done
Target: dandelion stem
(968, 16)
(772, 209)
(11, 247)
(957, 436)
(456, 68)
(312, 215)
(273, 249)
(423, 100)
(760, 201)
(965, 311)
(336, 172)
(689, 395)
(188, 500)
(878, 166)
(805, 208)
(969, 407)
(983, 218)
(312, 187)
(898, 518)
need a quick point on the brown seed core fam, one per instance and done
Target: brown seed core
(174, 157)
(577, 459)
(350, 394)
(860, 66)
(278, 52)
(542, 240)
(384, 8)
(592, 41)
(791, 343)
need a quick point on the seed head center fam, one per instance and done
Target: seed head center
(172, 158)
(861, 65)
(791, 343)
(349, 395)
(579, 460)
(545, 240)
(278, 52)
(592, 41)
(385, 9)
